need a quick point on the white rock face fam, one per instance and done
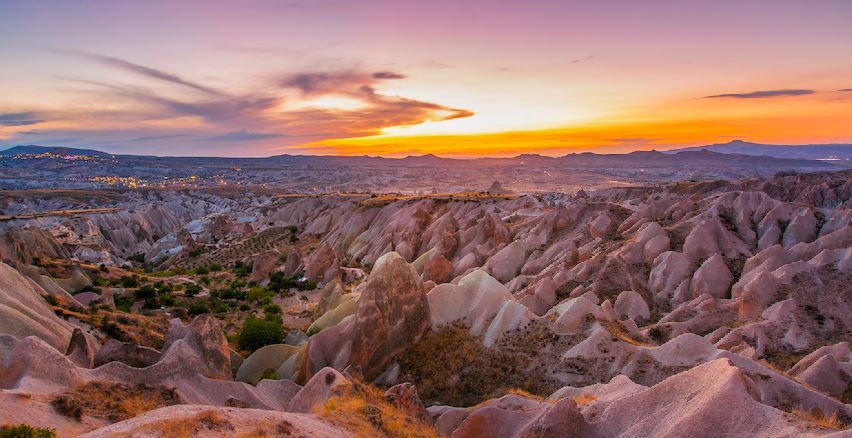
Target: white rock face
(506, 264)
(670, 269)
(601, 226)
(631, 305)
(476, 300)
(713, 277)
(512, 316)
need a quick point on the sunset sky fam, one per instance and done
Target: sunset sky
(396, 78)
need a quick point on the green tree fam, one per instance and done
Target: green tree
(257, 333)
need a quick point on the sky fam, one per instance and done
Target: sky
(256, 78)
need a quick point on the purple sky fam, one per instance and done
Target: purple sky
(259, 78)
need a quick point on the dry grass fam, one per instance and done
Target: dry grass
(818, 418)
(364, 411)
(585, 398)
(185, 428)
(451, 367)
(113, 401)
(522, 393)
(617, 329)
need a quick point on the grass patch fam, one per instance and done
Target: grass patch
(468, 372)
(113, 402)
(25, 431)
(618, 330)
(364, 411)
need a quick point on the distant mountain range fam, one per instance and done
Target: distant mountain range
(35, 150)
(810, 152)
(734, 154)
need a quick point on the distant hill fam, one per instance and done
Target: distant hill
(26, 150)
(842, 152)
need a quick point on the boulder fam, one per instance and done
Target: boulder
(133, 355)
(392, 314)
(405, 397)
(79, 350)
(336, 315)
(713, 277)
(438, 270)
(270, 357)
(332, 295)
(316, 391)
(824, 376)
(294, 261)
(563, 419)
(476, 300)
(35, 366)
(205, 337)
(630, 304)
(513, 315)
(506, 264)
(264, 264)
(322, 265)
(601, 225)
(296, 338)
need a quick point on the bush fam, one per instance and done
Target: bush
(215, 267)
(192, 290)
(128, 281)
(25, 431)
(145, 293)
(195, 253)
(257, 333)
(197, 309)
(52, 300)
(311, 285)
(202, 270)
(245, 307)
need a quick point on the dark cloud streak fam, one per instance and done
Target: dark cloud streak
(764, 94)
(19, 119)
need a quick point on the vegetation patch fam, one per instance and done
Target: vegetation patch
(366, 412)
(451, 367)
(113, 402)
(25, 431)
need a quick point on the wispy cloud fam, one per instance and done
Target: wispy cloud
(19, 119)
(145, 71)
(29, 132)
(158, 137)
(633, 140)
(243, 135)
(764, 94)
(846, 89)
(388, 75)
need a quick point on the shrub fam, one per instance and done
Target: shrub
(197, 309)
(145, 293)
(311, 285)
(25, 431)
(113, 401)
(313, 330)
(245, 307)
(215, 267)
(128, 281)
(52, 300)
(192, 290)
(202, 270)
(257, 333)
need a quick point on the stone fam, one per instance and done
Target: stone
(293, 263)
(405, 397)
(824, 376)
(601, 225)
(205, 337)
(392, 314)
(713, 277)
(133, 355)
(332, 295)
(506, 264)
(79, 351)
(513, 315)
(438, 270)
(316, 391)
(322, 266)
(476, 300)
(630, 304)
(36, 366)
(270, 357)
(563, 419)
(296, 338)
